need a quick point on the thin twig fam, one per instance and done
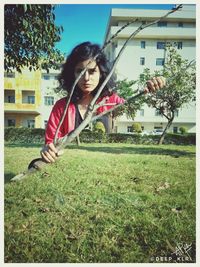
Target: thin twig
(132, 98)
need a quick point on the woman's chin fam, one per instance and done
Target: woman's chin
(87, 90)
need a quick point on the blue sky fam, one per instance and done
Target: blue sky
(87, 22)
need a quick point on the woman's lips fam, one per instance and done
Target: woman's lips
(86, 85)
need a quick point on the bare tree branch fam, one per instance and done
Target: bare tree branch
(62, 142)
(81, 74)
(132, 98)
(68, 138)
(91, 106)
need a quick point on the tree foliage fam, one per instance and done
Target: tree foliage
(180, 88)
(183, 130)
(99, 127)
(137, 127)
(124, 89)
(30, 36)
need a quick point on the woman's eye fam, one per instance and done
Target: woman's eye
(77, 72)
(91, 71)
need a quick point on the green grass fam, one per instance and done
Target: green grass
(100, 203)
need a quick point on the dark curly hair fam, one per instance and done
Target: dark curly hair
(82, 52)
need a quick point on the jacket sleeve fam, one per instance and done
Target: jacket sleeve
(113, 99)
(52, 124)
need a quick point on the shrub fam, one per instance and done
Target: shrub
(187, 139)
(24, 135)
(183, 130)
(137, 127)
(132, 138)
(92, 137)
(99, 127)
(36, 136)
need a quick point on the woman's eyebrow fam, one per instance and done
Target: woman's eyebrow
(94, 68)
(81, 69)
(78, 69)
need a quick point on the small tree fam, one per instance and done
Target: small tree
(180, 88)
(137, 127)
(124, 89)
(183, 130)
(99, 127)
(30, 36)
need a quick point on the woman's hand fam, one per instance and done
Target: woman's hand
(49, 153)
(155, 84)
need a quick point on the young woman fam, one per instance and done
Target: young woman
(87, 86)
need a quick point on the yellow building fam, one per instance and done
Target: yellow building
(22, 98)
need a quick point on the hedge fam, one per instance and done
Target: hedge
(24, 135)
(36, 136)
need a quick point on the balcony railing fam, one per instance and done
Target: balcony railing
(21, 108)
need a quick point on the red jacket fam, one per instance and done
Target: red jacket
(68, 124)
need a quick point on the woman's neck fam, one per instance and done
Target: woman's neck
(85, 100)
(83, 104)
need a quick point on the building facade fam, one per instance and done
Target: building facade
(146, 50)
(22, 99)
(29, 97)
(49, 82)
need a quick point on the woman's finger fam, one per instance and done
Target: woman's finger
(53, 148)
(49, 156)
(161, 81)
(45, 157)
(156, 83)
(150, 86)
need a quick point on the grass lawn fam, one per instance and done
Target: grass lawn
(102, 203)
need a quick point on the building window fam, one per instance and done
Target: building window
(28, 97)
(180, 24)
(10, 99)
(31, 123)
(31, 99)
(129, 129)
(9, 74)
(157, 112)
(160, 61)
(176, 113)
(179, 45)
(143, 44)
(9, 96)
(11, 122)
(142, 112)
(46, 77)
(162, 24)
(160, 45)
(142, 61)
(49, 100)
(50, 76)
(175, 129)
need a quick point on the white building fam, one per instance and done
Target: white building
(49, 81)
(146, 50)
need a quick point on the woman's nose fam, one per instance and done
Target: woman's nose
(86, 75)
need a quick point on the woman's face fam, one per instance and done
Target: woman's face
(90, 79)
